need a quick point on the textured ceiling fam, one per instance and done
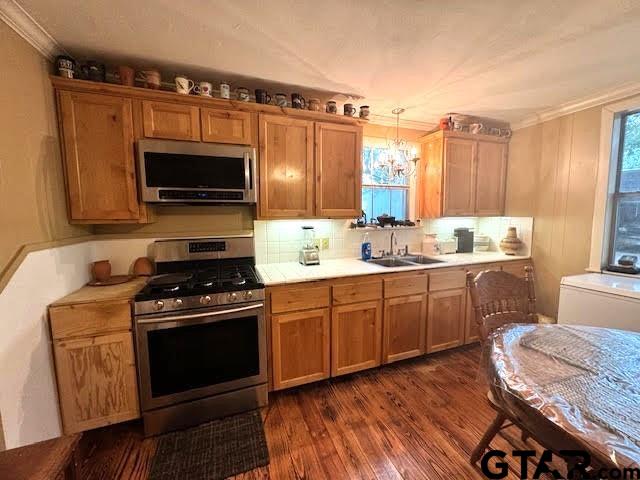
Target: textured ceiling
(501, 59)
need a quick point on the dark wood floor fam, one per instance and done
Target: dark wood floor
(417, 419)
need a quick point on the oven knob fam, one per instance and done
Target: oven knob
(178, 302)
(206, 300)
(158, 305)
(232, 297)
(248, 294)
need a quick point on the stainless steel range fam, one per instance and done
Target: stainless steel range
(200, 333)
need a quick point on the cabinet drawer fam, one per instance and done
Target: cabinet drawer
(299, 298)
(405, 285)
(447, 280)
(87, 319)
(357, 292)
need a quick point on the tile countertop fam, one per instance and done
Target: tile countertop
(293, 272)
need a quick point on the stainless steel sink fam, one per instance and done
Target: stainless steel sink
(421, 259)
(390, 262)
(404, 261)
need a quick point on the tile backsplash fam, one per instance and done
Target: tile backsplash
(280, 240)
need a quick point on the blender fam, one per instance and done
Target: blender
(309, 252)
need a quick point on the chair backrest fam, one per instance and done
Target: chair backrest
(499, 298)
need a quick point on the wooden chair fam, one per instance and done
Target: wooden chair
(499, 298)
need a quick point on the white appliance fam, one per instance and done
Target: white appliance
(600, 300)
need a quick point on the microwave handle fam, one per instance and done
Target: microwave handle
(247, 172)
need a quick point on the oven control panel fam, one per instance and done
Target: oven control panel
(197, 301)
(205, 247)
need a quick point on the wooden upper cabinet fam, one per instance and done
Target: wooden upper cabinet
(286, 167)
(98, 145)
(356, 335)
(459, 177)
(226, 126)
(490, 178)
(338, 170)
(172, 121)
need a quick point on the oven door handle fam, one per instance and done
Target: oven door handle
(174, 318)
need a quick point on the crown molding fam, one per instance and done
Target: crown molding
(404, 123)
(28, 28)
(624, 91)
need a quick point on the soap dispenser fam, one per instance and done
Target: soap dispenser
(366, 247)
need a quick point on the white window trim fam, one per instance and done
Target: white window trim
(606, 180)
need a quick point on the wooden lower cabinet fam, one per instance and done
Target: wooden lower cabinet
(516, 268)
(404, 325)
(300, 347)
(446, 319)
(356, 334)
(96, 381)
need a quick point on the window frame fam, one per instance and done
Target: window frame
(606, 181)
(617, 196)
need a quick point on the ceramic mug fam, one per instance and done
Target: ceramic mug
(281, 99)
(243, 94)
(298, 101)
(262, 96)
(151, 79)
(349, 109)
(225, 90)
(184, 85)
(203, 89)
(364, 111)
(127, 75)
(314, 105)
(476, 128)
(331, 107)
(66, 66)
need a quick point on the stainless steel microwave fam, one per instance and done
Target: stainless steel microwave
(187, 172)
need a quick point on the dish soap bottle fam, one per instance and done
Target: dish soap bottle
(366, 247)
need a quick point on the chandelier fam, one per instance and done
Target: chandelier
(401, 159)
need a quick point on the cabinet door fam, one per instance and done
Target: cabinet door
(446, 319)
(338, 170)
(429, 183)
(491, 178)
(356, 333)
(300, 343)
(171, 121)
(96, 381)
(286, 167)
(98, 139)
(405, 320)
(459, 177)
(225, 126)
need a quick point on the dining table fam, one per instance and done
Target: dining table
(584, 381)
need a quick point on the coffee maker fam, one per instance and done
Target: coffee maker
(465, 239)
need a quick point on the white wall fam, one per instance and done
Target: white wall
(28, 397)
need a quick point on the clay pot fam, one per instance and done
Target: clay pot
(511, 243)
(143, 267)
(101, 270)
